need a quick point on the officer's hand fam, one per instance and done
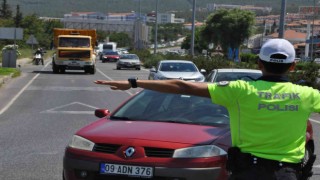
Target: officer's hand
(115, 85)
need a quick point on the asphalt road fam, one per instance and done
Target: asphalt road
(40, 111)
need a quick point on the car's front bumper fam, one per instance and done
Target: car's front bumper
(104, 59)
(129, 65)
(76, 169)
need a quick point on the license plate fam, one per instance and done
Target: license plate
(74, 64)
(137, 171)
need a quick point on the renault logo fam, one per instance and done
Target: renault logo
(129, 152)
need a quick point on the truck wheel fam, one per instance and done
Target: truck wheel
(118, 68)
(55, 69)
(62, 70)
(93, 70)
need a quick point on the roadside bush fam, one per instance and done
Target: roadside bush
(249, 58)
(171, 56)
(214, 62)
(6, 71)
(306, 73)
(142, 54)
(152, 60)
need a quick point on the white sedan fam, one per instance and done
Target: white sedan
(217, 75)
(177, 69)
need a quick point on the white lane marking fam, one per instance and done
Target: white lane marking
(56, 110)
(69, 112)
(21, 91)
(315, 121)
(64, 88)
(316, 166)
(111, 79)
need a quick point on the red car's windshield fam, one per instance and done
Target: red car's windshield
(155, 106)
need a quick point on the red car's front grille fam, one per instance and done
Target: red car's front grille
(158, 152)
(150, 152)
(106, 148)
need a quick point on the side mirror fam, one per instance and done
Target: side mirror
(153, 69)
(203, 71)
(100, 113)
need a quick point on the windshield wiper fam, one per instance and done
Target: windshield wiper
(176, 121)
(119, 118)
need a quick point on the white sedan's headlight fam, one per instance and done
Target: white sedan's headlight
(201, 78)
(162, 78)
(199, 152)
(78, 142)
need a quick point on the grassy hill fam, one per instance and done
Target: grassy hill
(56, 8)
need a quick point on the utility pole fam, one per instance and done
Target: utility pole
(139, 11)
(282, 19)
(139, 26)
(312, 31)
(156, 31)
(193, 26)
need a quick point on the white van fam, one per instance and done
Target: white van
(110, 46)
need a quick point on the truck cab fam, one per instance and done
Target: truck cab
(74, 50)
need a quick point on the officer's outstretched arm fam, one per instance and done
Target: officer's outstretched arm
(167, 86)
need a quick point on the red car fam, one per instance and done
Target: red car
(157, 136)
(109, 56)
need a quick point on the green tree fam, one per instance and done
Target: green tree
(5, 11)
(199, 43)
(18, 18)
(229, 28)
(101, 36)
(122, 39)
(169, 32)
(47, 36)
(32, 25)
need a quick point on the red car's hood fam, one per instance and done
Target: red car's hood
(152, 131)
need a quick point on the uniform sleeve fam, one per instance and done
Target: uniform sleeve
(316, 101)
(224, 93)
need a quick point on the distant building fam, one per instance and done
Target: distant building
(293, 36)
(109, 16)
(85, 15)
(129, 23)
(214, 7)
(164, 18)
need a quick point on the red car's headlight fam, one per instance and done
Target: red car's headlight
(199, 152)
(78, 142)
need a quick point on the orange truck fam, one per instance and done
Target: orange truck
(74, 50)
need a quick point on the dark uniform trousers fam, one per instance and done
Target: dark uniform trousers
(244, 166)
(264, 173)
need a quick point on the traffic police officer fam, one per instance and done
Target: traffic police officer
(268, 117)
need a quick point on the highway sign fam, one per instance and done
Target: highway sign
(314, 41)
(32, 40)
(11, 33)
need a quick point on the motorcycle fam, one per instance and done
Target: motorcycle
(37, 59)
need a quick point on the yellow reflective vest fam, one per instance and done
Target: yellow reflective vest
(267, 119)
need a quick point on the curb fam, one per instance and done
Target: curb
(20, 62)
(5, 79)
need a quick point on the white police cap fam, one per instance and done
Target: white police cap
(277, 46)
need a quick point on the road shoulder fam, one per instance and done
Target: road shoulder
(20, 62)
